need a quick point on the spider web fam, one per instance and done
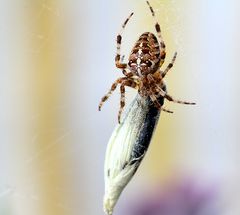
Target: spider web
(172, 17)
(26, 163)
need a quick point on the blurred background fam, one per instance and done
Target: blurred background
(57, 61)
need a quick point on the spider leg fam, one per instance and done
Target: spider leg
(162, 44)
(155, 86)
(122, 101)
(158, 89)
(154, 97)
(118, 62)
(157, 104)
(129, 83)
(170, 98)
(128, 74)
(166, 110)
(113, 87)
(170, 65)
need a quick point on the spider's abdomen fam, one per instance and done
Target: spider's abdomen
(145, 55)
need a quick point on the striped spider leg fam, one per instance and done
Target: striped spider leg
(118, 62)
(124, 81)
(157, 86)
(159, 33)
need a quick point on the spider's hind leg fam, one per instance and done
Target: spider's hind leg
(171, 99)
(158, 105)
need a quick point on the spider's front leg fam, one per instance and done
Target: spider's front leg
(118, 62)
(159, 33)
(113, 87)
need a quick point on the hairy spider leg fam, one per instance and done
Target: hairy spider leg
(164, 94)
(170, 65)
(122, 101)
(158, 29)
(171, 99)
(154, 97)
(118, 62)
(157, 104)
(129, 83)
(127, 74)
(155, 88)
(113, 87)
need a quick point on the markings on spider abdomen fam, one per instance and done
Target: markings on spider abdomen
(139, 58)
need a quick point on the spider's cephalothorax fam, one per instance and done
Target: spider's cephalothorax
(142, 71)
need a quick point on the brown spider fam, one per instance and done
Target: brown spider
(143, 69)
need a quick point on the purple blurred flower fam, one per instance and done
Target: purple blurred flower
(186, 198)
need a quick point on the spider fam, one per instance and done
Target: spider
(142, 72)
